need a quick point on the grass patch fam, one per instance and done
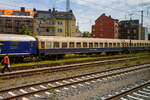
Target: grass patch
(1, 87)
(62, 61)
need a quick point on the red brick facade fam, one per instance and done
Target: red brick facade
(105, 27)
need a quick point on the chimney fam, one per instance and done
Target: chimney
(109, 16)
(50, 10)
(22, 9)
(53, 9)
(34, 9)
(103, 14)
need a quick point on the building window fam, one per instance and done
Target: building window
(38, 22)
(59, 30)
(37, 30)
(8, 21)
(47, 22)
(17, 22)
(101, 35)
(101, 29)
(27, 22)
(134, 31)
(101, 24)
(8, 26)
(1, 21)
(1, 29)
(1, 12)
(60, 23)
(47, 30)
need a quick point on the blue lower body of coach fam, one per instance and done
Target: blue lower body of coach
(17, 49)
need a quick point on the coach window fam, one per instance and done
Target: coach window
(14, 45)
(71, 44)
(96, 45)
(110, 45)
(90, 45)
(31, 44)
(56, 45)
(101, 45)
(78, 44)
(64, 45)
(114, 45)
(118, 44)
(134, 44)
(84, 45)
(127, 44)
(106, 45)
(42, 45)
(48, 45)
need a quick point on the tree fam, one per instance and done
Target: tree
(86, 34)
(25, 30)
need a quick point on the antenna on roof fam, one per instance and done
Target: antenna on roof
(67, 5)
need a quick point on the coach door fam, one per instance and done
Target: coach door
(1, 46)
(31, 46)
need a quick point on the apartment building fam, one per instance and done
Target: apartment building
(55, 23)
(12, 20)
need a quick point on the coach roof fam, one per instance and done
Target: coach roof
(15, 37)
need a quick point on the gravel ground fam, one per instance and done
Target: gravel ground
(50, 76)
(103, 87)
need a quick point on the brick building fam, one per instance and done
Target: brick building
(12, 20)
(105, 27)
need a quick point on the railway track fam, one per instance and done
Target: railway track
(25, 73)
(49, 88)
(136, 92)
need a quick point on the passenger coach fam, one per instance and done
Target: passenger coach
(17, 45)
(53, 45)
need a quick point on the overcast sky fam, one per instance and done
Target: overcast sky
(87, 11)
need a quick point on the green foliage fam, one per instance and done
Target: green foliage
(87, 34)
(1, 87)
(25, 30)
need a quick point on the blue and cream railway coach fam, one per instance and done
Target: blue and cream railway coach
(17, 45)
(53, 45)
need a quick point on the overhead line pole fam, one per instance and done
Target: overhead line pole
(141, 22)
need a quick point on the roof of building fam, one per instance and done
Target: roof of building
(11, 11)
(16, 37)
(107, 17)
(54, 14)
